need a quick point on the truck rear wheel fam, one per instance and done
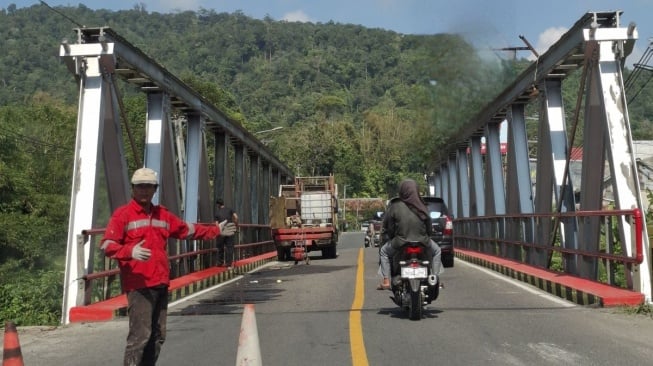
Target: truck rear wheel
(329, 252)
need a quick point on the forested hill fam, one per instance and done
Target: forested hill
(279, 73)
(378, 101)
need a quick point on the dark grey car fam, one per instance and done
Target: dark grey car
(442, 228)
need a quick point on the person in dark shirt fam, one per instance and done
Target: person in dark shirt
(225, 245)
(406, 219)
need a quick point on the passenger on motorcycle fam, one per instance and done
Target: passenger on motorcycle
(406, 220)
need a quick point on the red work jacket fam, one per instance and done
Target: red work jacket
(129, 225)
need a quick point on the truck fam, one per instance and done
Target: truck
(304, 218)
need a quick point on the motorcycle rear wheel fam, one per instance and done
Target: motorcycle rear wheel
(415, 306)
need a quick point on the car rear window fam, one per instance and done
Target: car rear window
(436, 209)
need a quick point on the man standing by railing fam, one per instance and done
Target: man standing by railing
(137, 236)
(225, 244)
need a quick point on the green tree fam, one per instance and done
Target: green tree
(37, 142)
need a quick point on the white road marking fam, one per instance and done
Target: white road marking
(534, 290)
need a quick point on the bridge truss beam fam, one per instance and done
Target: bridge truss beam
(178, 120)
(596, 45)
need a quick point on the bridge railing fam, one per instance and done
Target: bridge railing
(101, 279)
(516, 237)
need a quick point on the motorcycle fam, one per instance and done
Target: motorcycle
(413, 285)
(377, 239)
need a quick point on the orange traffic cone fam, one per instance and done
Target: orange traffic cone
(11, 355)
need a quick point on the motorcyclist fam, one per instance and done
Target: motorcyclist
(406, 220)
(370, 232)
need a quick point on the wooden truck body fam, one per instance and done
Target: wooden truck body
(304, 218)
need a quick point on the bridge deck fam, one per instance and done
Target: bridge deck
(577, 290)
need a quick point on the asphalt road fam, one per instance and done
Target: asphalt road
(314, 315)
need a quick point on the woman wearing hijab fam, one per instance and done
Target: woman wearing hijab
(406, 220)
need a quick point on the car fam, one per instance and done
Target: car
(442, 228)
(377, 232)
(377, 239)
(364, 226)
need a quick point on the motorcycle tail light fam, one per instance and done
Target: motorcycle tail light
(448, 226)
(413, 250)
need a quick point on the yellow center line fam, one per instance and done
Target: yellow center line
(358, 354)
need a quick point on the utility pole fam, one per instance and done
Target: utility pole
(344, 206)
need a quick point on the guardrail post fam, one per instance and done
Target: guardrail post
(84, 288)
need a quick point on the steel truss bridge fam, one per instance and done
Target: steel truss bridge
(501, 206)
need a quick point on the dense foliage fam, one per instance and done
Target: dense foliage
(36, 146)
(379, 103)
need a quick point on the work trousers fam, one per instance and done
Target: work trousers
(225, 246)
(147, 309)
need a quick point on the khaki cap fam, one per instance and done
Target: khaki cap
(145, 176)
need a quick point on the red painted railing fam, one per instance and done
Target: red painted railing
(515, 237)
(101, 281)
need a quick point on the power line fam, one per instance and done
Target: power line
(634, 76)
(32, 140)
(62, 14)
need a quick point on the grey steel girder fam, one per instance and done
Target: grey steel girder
(608, 139)
(462, 161)
(554, 183)
(91, 118)
(477, 178)
(239, 180)
(519, 190)
(159, 152)
(194, 153)
(132, 64)
(495, 194)
(453, 187)
(444, 174)
(222, 187)
(254, 187)
(265, 191)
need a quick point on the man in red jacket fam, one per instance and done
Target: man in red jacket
(137, 237)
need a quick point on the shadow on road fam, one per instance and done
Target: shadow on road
(396, 312)
(253, 288)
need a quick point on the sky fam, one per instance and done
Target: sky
(489, 24)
